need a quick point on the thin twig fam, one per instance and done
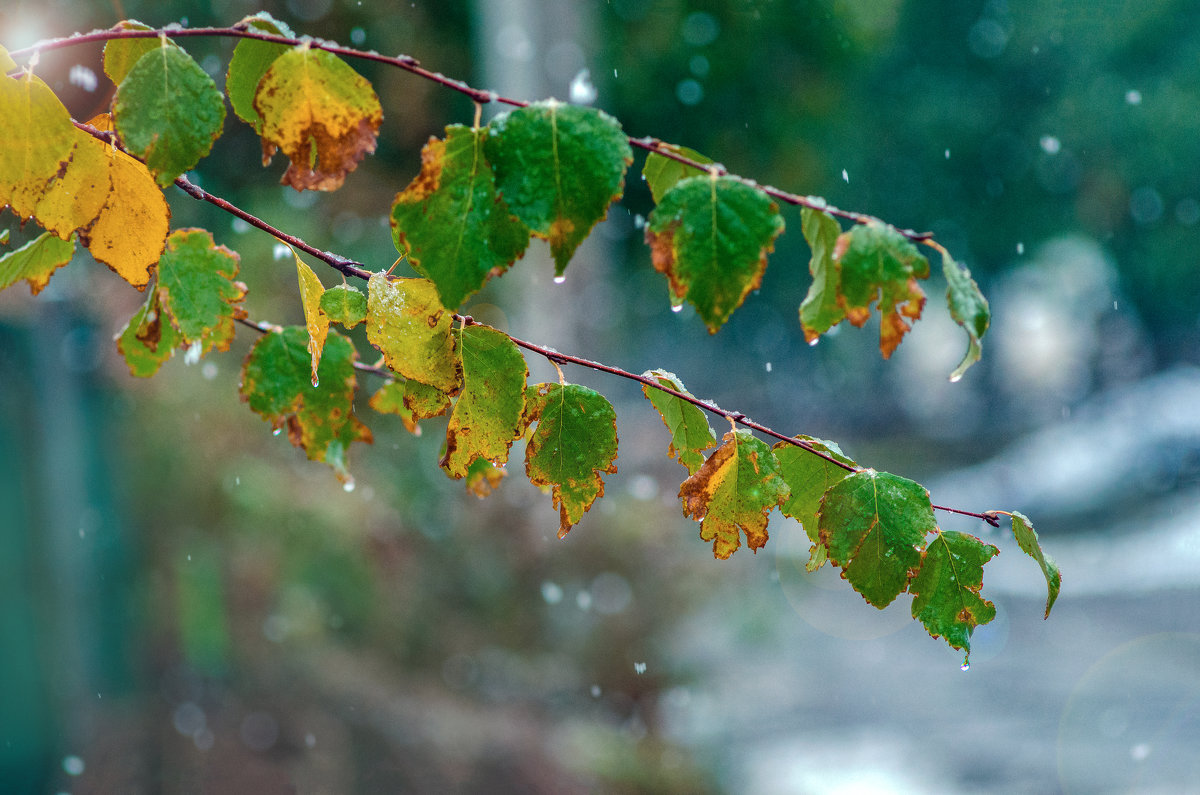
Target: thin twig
(478, 95)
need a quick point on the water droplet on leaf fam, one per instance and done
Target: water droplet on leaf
(348, 486)
(966, 664)
(559, 279)
(676, 308)
(954, 379)
(582, 90)
(813, 342)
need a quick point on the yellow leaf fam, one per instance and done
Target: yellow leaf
(38, 136)
(315, 319)
(131, 230)
(74, 198)
(321, 113)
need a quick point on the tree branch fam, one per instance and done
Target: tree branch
(350, 267)
(481, 96)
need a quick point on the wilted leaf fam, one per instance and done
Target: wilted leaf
(733, 492)
(121, 54)
(662, 172)
(710, 236)
(277, 384)
(315, 319)
(483, 477)
(38, 137)
(250, 61)
(451, 224)
(486, 419)
(969, 309)
(873, 525)
(148, 339)
(344, 304)
(946, 590)
(558, 167)
(1027, 540)
(129, 233)
(809, 477)
(408, 324)
(196, 287)
(321, 113)
(412, 401)
(168, 112)
(575, 442)
(690, 431)
(821, 309)
(876, 262)
(75, 196)
(35, 261)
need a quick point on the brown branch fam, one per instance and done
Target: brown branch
(478, 95)
(350, 267)
(555, 357)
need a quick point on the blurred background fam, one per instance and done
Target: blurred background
(188, 605)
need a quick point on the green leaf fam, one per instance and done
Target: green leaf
(35, 261)
(195, 284)
(1027, 540)
(688, 424)
(168, 112)
(276, 382)
(575, 442)
(733, 492)
(38, 139)
(321, 113)
(408, 324)
(4, 233)
(251, 60)
(344, 304)
(558, 167)
(946, 590)
(451, 224)
(821, 310)
(710, 236)
(147, 341)
(661, 172)
(412, 401)
(809, 477)
(969, 309)
(878, 263)
(121, 54)
(873, 525)
(486, 419)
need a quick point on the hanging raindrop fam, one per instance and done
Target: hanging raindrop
(559, 279)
